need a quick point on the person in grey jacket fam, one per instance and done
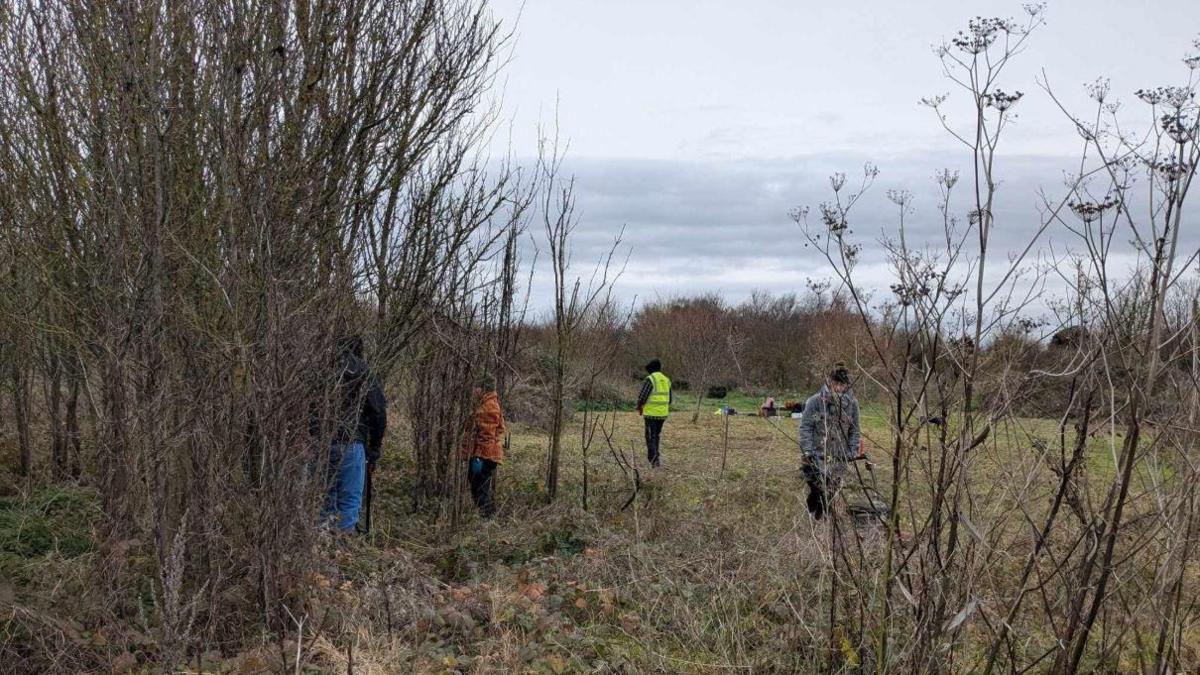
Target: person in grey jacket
(829, 439)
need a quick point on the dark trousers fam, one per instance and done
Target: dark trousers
(482, 484)
(821, 488)
(654, 427)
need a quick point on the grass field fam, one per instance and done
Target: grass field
(672, 583)
(707, 570)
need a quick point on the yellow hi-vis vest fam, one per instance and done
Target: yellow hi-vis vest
(659, 403)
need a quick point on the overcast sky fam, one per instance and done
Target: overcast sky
(698, 124)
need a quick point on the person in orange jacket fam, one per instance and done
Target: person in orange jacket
(485, 445)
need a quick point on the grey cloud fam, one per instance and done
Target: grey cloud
(694, 226)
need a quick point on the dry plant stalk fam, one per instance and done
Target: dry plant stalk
(1050, 563)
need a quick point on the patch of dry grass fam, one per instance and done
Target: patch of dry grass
(706, 571)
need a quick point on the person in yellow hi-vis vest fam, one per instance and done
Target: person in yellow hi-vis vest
(654, 405)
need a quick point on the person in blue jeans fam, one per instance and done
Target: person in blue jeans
(359, 426)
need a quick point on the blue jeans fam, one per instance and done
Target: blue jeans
(347, 474)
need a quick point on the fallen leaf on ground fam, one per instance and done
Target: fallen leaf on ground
(533, 591)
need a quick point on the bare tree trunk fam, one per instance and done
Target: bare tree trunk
(54, 404)
(558, 389)
(74, 435)
(584, 446)
(20, 401)
(725, 444)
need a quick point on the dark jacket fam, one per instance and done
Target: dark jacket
(361, 407)
(829, 430)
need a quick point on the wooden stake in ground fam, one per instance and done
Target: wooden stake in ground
(725, 446)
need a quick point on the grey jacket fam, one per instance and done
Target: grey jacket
(829, 429)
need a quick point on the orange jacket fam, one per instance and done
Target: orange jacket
(485, 437)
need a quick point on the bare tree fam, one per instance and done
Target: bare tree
(476, 329)
(698, 340)
(203, 196)
(574, 299)
(601, 330)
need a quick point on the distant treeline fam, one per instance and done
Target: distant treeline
(783, 344)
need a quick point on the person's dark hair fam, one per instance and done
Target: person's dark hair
(654, 366)
(840, 373)
(486, 382)
(350, 343)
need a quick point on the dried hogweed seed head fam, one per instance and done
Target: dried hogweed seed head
(981, 33)
(1176, 97)
(1028, 325)
(1170, 170)
(1180, 97)
(904, 294)
(1178, 126)
(837, 181)
(972, 44)
(1126, 164)
(1089, 211)
(899, 197)
(947, 178)
(1148, 96)
(834, 218)
(1098, 90)
(1001, 100)
(934, 101)
(1086, 211)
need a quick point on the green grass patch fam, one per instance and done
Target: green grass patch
(562, 541)
(605, 406)
(52, 520)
